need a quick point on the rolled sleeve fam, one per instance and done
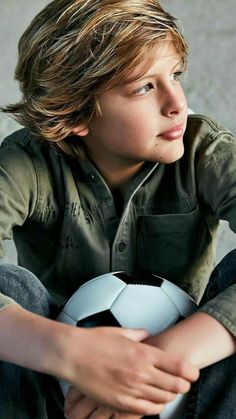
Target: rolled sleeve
(222, 308)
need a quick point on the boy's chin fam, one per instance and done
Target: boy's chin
(172, 156)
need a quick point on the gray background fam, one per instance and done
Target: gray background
(210, 29)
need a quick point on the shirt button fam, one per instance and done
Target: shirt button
(92, 177)
(122, 246)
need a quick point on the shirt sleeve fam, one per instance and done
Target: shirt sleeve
(18, 193)
(216, 174)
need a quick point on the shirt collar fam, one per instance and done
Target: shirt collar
(93, 177)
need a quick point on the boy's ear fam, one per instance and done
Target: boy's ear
(81, 130)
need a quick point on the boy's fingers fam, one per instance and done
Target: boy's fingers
(79, 408)
(73, 395)
(165, 361)
(174, 365)
(167, 388)
(159, 396)
(143, 407)
(102, 412)
(137, 335)
(123, 415)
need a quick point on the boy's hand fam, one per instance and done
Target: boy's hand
(107, 365)
(78, 406)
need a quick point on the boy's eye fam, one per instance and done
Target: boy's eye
(176, 76)
(143, 90)
(149, 86)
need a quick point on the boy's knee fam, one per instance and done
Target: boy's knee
(25, 288)
(226, 268)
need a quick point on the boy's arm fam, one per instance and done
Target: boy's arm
(117, 371)
(200, 339)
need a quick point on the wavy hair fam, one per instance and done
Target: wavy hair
(73, 50)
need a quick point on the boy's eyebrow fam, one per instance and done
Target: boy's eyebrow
(145, 76)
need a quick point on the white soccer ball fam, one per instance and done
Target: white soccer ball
(130, 300)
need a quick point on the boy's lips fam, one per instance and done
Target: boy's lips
(173, 133)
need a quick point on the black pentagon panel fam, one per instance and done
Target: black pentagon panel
(133, 278)
(104, 318)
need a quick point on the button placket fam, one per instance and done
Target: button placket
(120, 259)
(120, 256)
(122, 246)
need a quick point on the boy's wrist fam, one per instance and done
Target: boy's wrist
(61, 346)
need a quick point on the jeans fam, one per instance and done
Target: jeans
(26, 394)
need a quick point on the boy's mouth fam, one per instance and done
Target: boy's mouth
(173, 133)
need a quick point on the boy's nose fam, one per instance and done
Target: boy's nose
(174, 104)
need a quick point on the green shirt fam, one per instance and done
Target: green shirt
(68, 228)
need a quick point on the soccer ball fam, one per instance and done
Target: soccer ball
(130, 300)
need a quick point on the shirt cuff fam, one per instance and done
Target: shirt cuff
(222, 308)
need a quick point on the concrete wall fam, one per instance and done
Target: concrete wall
(210, 85)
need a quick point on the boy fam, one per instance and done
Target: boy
(98, 182)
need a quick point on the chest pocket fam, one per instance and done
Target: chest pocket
(168, 244)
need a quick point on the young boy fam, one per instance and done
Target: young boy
(99, 181)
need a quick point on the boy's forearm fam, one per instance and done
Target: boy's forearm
(28, 340)
(200, 339)
(101, 371)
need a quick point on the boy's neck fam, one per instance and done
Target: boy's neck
(118, 178)
(117, 175)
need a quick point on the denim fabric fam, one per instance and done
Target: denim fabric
(24, 393)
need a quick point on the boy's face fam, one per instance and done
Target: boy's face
(143, 120)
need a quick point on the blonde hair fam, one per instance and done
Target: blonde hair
(73, 50)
